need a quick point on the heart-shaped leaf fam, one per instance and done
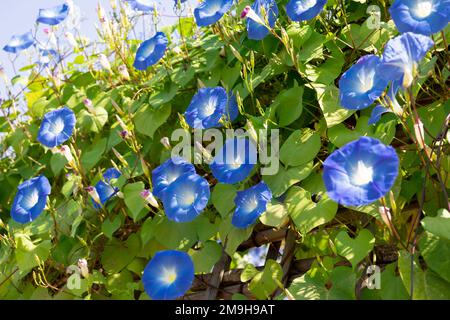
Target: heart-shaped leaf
(354, 250)
(307, 214)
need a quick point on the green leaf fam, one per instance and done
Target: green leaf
(303, 142)
(176, 236)
(328, 97)
(205, 258)
(222, 197)
(93, 122)
(265, 282)
(109, 227)
(249, 272)
(149, 119)
(57, 163)
(439, 225)
(276, 215)
(93, 154)
(307, 214)
(28, 255)
(285, 178)
(288, 105)
(133, 199)
(427, 284)
(391, 287)
(354, 250)
(432, 249)
(233, 236)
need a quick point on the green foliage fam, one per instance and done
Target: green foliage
(288, 82)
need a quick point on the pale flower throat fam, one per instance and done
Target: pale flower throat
(362, 174)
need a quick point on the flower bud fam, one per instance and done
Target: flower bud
(165, 142)
(82, 264)
(104, 62)
(123, 71)
(94, 195)
(148, 196)
(248, 12)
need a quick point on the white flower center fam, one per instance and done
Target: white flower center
(186, 197)
(362, 174)
(212, 8)
(251, 204)
(169, 276)
(172, 176)
(308, 4)
(31, 199)
(57, 126)
(366, 81)
(422, 9)
(236, 164)
(209, 107)
(148, 50)
(49, 13)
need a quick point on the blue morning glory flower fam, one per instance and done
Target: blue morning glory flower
(168, 275)
(361, 85)
(19, 42)
(401, 57)
(208, 106)
(151, 51)
(104, 189)
(168, 172)
(210, 11)
(360, 172)
(234, 161)
(185, 198)
(300, 10)
(56, 127)
(250, 204)
(420, 16)
(53, 16)
(255, 30)
(111, 173)
(142, 5)
(30, 199)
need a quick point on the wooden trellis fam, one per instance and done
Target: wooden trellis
(222, 282)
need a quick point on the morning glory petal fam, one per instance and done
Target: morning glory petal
(186, 197)
(56, 127)
(209, 106)
(420, 16)
(151, 51)
(234, 161)
(250, 204)
(301, 10)
(168, 275)
(19, 42)
(362, 84)
(210, 11)
(360, 172)
(401, 57)
(376, 114)
(169, 172)
(255, 30)
(53, 16)
(30, 199)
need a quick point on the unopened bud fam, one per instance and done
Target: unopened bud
(82, 264)
(165, 142)
(104, 62)
(123, 71)
(94, 194)
(148, 196)
(248, 12)
(124, 134)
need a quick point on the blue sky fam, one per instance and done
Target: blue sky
(18, 16)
